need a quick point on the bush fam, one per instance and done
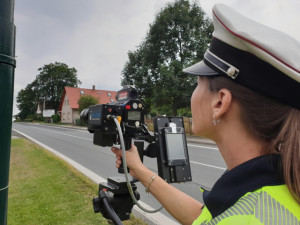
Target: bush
(30, 118)
(164, 110)
(78, 122)
(39, 118)
(55, 118)
(86, 101)
(153, 113)
(184, 112)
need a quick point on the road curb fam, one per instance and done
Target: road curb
(152, 219)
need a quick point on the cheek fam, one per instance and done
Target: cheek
(196, 111)
(196, 124)
(200, 113)
(195, 102)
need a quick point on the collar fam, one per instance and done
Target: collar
(256, 173)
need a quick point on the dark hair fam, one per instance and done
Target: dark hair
(272, 122)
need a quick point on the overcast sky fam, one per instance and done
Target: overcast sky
(94, 36)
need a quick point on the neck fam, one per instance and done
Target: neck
(234, 155)
(237, 146)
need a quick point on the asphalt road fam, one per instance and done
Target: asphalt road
(206, 162)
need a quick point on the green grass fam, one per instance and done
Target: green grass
(46, 190)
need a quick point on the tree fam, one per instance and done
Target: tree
(178, 38)
(48, 86)
(86, 101)
(135, 72)
(50, 82)
(27, 101)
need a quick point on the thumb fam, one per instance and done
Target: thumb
(133, 148)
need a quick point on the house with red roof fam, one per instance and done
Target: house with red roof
(69, 109)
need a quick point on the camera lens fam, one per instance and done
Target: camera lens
(84, 115)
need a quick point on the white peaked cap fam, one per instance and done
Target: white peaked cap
(256, 56)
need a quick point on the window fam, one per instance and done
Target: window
(111, 100)
(99, 92)
(109, 94)
(82, 92)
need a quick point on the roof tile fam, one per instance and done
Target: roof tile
(74, 94)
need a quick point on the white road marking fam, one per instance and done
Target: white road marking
(201, 146)
(203, 164)
(198, 146)
(66, 128)
(88, 139)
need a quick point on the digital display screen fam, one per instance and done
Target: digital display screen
(95, 115)
(175, 147)
(134, 115)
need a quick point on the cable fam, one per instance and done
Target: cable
(111, 212)
(126, 172)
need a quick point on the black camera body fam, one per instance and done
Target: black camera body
(167, 143)
(128, 110)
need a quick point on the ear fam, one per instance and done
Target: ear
(221, 102)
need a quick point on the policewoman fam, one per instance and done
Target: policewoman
(248, 102)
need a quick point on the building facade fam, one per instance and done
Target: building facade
(69, 108)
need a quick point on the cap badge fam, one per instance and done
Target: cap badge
(231, 71)
(220, 64)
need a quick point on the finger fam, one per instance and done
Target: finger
(118, 163)
(115, 148)
(116, 151)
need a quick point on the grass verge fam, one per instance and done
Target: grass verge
(46, 190)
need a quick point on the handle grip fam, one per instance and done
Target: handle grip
(140, 148)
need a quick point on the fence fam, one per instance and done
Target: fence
(187, 124)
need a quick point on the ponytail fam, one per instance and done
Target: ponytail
(288, 142)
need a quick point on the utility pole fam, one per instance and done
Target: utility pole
(7, 68)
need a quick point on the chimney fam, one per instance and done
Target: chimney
(93, 87)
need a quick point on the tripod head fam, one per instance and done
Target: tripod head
(114, 199)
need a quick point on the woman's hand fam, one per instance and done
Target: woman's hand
(184, 208)
(134, 162)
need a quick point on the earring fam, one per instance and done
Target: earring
(216, 121)
(279, 146)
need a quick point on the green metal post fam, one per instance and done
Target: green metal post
(7, 68)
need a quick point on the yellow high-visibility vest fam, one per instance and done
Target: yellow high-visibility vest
(266, 206)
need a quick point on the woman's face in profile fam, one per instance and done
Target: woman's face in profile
(201, 106)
